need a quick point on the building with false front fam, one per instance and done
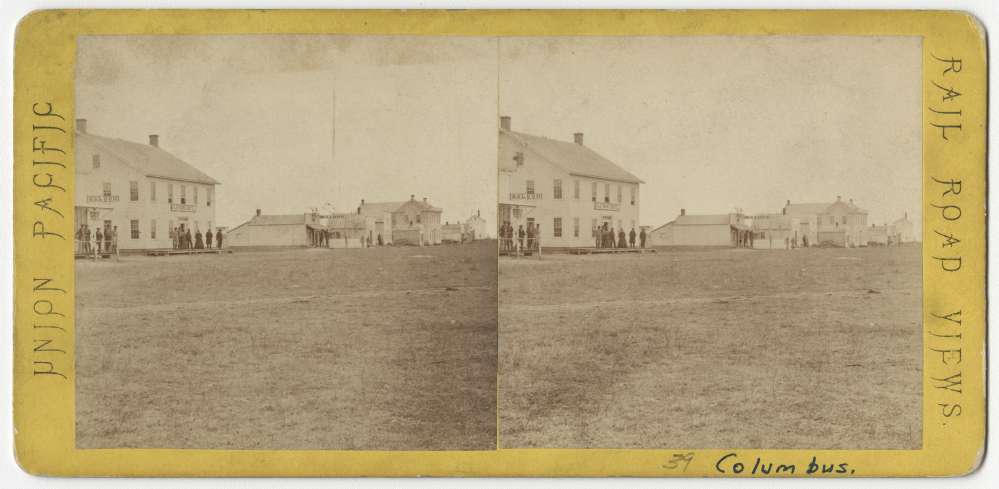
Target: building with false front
(565, 188)
(476, 226)
(140, 188)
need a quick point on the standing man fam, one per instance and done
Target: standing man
(187, 238)
(631, 238)
(114, 240)
(100, 239)
(218, 238)
(208, 239)
(521, 234)
(621, 243)
(641, 238)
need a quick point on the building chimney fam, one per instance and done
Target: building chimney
(683, 212)
(412, 196)
(81, 126)
(478, 213)
(505, 122)
(154, 140)
(788, 202)
(839, 198)
(258, 212)
(578, 138)
(424, 200)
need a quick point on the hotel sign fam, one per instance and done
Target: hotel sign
(102, 198)
(606, 206)
(524, 196)
(182, 207)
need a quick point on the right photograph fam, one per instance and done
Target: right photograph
(710, 242)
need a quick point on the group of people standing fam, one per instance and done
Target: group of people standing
(100, 242)
(606, 238)
(183, 240)
(522, 239)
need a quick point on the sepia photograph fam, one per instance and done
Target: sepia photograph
(710, 242)
(286, 242)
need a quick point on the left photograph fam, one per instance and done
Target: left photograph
(286, 242)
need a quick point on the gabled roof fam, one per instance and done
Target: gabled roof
(146, 159)
(576, 159)
(702, 220)
(278, 220)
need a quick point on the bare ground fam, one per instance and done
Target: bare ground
(378, 349)
(816, 348)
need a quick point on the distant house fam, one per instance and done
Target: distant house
(565, 188)
(276, 230)
(883, 235)
(347, 229)
(412, 221)
(452, 232)
(904, 229)
(700, 230)
(836, 223)
(476, 226)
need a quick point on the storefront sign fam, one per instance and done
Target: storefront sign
(182, 207)
(102, 198)
(606, 206)
(524, 196)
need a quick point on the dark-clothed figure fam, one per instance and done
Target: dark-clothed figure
(631, 238)
(520, 236)
(100, 239)
(218, 238)
(621, 243)
(641, 238)
(187, 239)
(114, 239)
(208, 239)
(380, 241)
(610, 239)
(199, 243)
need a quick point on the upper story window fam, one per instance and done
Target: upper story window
(633, 194)
(208, 196)
(575, 189)
(133, 191)
(618, 194)
(152, 191)
(183, 194)
(170, 193)
(593, 191)
(530, 187)
(195, 195)
(607, 193)
(519, 158)
(558, 189)
(106, 189)
(97, 161)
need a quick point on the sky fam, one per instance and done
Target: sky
(413, 116)
(712, 124)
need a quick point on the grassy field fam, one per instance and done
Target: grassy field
(381, 348)
(808, 348)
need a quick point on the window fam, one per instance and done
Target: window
(516, 212)
(519, 158)
(133, 191)
(618, 194)
(593, 191)
(183, 194)
(558, 188)
(106, 190)
(557, 227)
(97, 162)
(152, 229)
(195, 195)
(575, 189)
(530, 187)
(170, 193)
(152, 191)
(135, 229)
(208, 196)
(633, 195)
(575, 227)
(607, 192)
(593, 228)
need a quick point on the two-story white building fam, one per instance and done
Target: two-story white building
(565, 188)
(839, 223)
(141, 189)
